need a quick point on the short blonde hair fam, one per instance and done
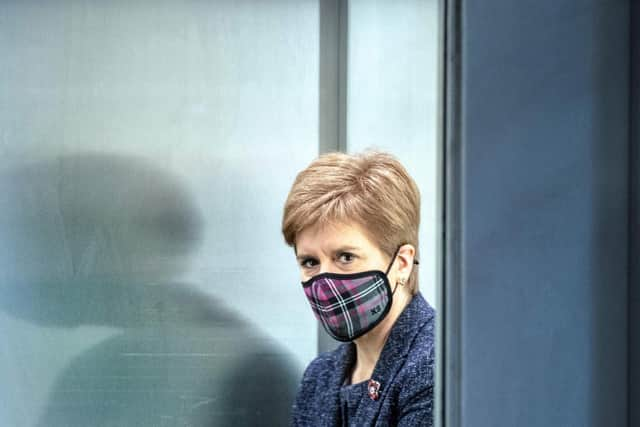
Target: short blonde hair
(371, 188)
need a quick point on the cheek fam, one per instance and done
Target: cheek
(307, 273)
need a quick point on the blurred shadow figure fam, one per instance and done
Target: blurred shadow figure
(99, 239)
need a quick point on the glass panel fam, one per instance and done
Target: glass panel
(389, 99)
(392, 101)
(147, 150)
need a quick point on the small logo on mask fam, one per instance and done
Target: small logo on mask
(376, 309)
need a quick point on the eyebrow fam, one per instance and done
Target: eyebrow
(340, 249)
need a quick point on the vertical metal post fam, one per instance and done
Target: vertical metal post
(333, 75)
(332, 120)
(450, 306)
(633, 357)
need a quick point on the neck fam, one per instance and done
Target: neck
(369, 346)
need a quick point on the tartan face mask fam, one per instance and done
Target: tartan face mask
(350, 305)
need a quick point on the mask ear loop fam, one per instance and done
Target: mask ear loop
(393, 259)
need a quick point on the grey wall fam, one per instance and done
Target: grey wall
(539, 141)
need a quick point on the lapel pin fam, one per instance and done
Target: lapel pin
(373, 387)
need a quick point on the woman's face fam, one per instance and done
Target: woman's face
(338, 248)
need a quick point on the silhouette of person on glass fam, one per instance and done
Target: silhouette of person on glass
(99, 240)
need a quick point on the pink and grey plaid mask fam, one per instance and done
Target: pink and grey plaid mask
(350, 305)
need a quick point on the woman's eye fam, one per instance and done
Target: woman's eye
(308, 263)
(346, 257)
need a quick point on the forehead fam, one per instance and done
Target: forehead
(329, 237)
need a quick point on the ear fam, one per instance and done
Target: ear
(406, 256)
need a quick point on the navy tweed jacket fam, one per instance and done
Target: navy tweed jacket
(405, 371)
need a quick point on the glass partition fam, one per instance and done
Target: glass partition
(148, 148)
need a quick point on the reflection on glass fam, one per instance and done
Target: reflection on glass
(140, 194)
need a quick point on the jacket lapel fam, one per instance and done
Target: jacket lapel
(393, 354)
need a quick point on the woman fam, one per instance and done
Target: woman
(353, 223)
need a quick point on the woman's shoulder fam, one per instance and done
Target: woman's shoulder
(417, 371)
(413, 334)
(424, 341)
(317, 399)
(329, 362)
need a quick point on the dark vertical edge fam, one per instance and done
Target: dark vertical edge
(611, 202)
(328, 76)
(451, 309)
(332, 87)
(331, 93)
(439, 390)
(633, 356)
(343, 61)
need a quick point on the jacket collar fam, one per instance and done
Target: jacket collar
(403, 332)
